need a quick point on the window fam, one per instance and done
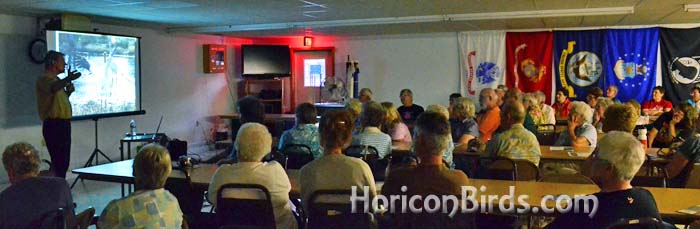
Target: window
(314, 72)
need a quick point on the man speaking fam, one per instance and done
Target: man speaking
(55, 110)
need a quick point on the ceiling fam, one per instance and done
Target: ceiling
(199, 15)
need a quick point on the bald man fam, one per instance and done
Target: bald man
(490, 120)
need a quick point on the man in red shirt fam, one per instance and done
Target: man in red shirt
(657, 105)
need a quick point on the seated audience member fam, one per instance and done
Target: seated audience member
(670, 125)
(324, 172)
(430, 176)
(532, 108)
(150, 206)
(409, 111)
(613, 165)
(447, 156)
(620, 117)
(29, 197)
(463, 123)
(681, 163)
(253, 142)
(580, 132)
(365, 95)
(354, 106)
(454, 96)
(549, 113)
(611, 93)
(251, 109)
(515, 142)
(501, 92)
(394, 126)
(695, 98)
(562, 105)
(305, 131)
(592, 97)
(490, 120)
(372, 118)
(657, 105)
(517, 95)
(599, 112)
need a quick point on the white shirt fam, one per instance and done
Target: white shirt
(549, 114)
(271, 175)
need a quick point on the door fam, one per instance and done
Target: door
(311, 67)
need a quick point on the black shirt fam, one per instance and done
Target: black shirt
(410, 114)
(612, 206)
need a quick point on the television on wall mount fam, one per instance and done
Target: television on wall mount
(266, 61)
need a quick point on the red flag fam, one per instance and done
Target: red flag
(529, 62)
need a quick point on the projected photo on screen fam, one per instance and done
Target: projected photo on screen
(109, 65)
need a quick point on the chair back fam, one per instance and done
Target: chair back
(655, 176)
(437, 219)
(55, 219)
(567, 178)
(244, 205)
(508, 169)
(468, 163)
(693, 180)
(646, 222)
(369, 154)
(546, 134)
(333, 209)
(296, 156)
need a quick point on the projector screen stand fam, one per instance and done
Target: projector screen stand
(94, 157)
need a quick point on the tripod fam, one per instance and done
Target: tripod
(93, 157)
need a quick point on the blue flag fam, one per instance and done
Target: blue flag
(630, 57)
(578, 61)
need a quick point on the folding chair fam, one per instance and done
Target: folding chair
(296, 156)
(246, 205)
(333, 209)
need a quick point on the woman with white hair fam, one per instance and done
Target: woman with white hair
(546, 109)
(612, 167)
(150, 206)
(253, 142)
(580, 132)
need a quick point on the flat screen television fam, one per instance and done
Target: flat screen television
(266, 61)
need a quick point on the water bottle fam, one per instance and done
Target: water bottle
(643, 137)
(132, 127)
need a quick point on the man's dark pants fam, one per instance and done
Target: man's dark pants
(57, 135)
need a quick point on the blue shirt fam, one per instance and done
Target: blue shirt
(304, 134)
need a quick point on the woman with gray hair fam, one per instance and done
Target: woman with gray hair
(150, 206)
(579, 132)
(29, 196)
(599, 112)
(253, 142)
(612, 167)
(463, 125)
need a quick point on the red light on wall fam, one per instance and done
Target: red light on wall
(308, 41)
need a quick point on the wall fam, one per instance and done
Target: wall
(172, 84)
(428, 64)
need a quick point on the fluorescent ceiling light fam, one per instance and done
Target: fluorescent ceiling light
(412, 19)
(691, 7)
